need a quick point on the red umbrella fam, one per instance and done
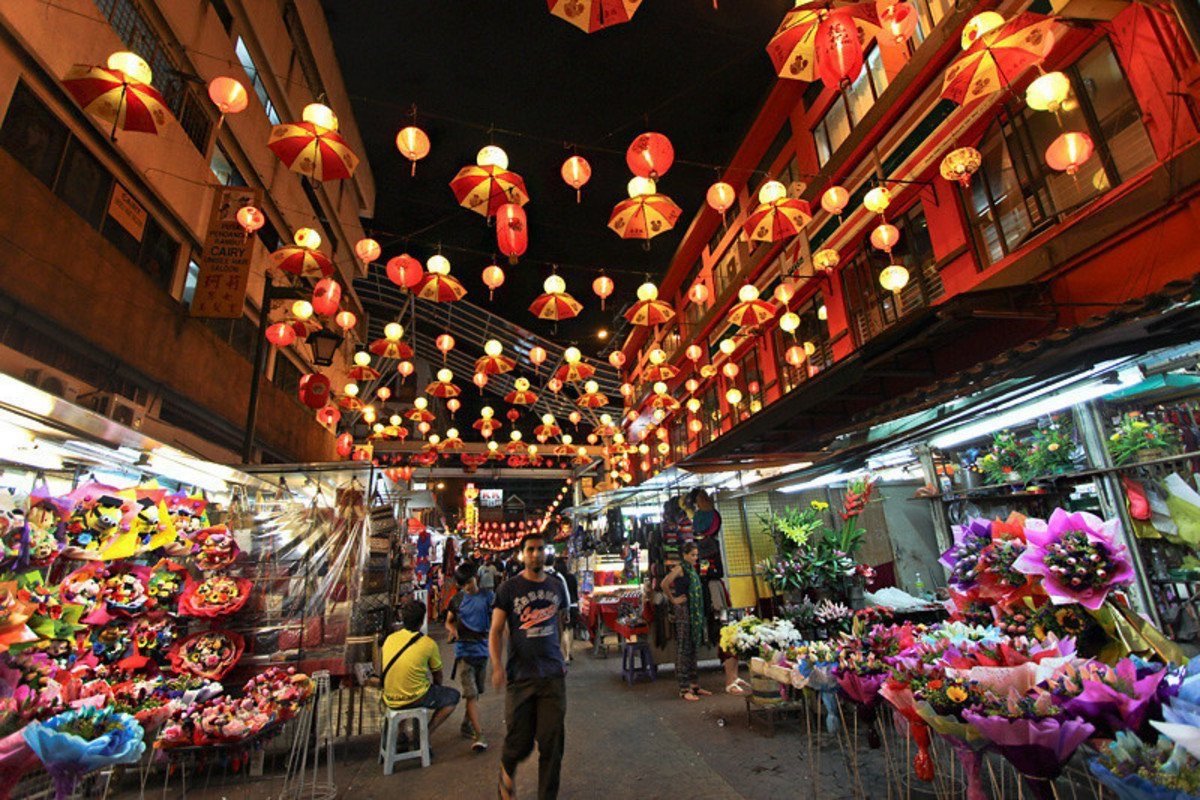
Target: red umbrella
(555, 306)
(998, 57)
(578, 371)
(320, 154)
(486, 426)
(659, 372)
(419, 415)
(777, 220)
(440, 288)
(793, 46)
(390, 349)
(593, 15)
(650, 312)
(484, 189)
(303, 262)
(117, 98)
(520, 397)
(443, 390)
(544, 432)
(494, 365)
(644, 216)
(350, 403)
(592, 400)
(750, 313)
(363, 374)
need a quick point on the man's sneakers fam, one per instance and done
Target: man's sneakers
(479, 745)
(467, 729)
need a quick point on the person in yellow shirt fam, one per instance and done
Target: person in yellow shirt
(412, 669)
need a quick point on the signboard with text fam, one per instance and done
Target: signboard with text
(225, 262)
(491, 498)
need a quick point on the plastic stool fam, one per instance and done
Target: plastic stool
(389, 733)
(637, 662)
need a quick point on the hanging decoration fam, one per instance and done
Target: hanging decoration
(555, 385)
(650, 155)
(480, 379)
(521, 394)
(537, 356)
(367, 250)
(617, 359)
(777, 216)
(698, 293)
(649, 310)
(314, 390)
(644, 215)
(834, 200)
(960, 164)
(283, 334)
(555, 304)
(1069, 152)
(329, 416)
(838, 49)
(485, 188)
(405, 368)
(603, 287)
(593, 15)
(576, 171)
(720, 197)
(312, 150)
(573, 368)
(413, 144)
(658, 369)
(486, 424)
(591, 398)
(793, 47)
(893, 278)
(119, 93)
(345, 320)
(493, 361)
(390, 348)
(750, 311)
(1048, 92)
(437, 285)
(420, 412)
(877, 200)
(405, 271)
(444, 343)
(326, 297)
(898, 21)
(512, 231)
(995, 53)
(661, 399)
(250, 219)
(549, 428)
(228, 95)
(493, 279)
(302, 258)
(884, 237)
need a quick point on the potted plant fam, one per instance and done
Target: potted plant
(1049, 450)
(1140, 438)
(1002, 462)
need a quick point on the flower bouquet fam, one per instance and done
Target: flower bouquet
(83, 587)
(1181, 712)
(738, 637)
(125, 592)
(166, 581)
(897, 690)
(188, 689)
(217, 548)
(207, 654)
(1050, 448)
(78, 741)
(1135, 770)
(815, 663)
(142, 700)
(152, 637)
(224, 720)
(1076, 557)
(215, 596)
(16, 609)
(1000, 464)
(285, 689)
(1036, 736)
(1136, 435)
(940, 700)
(1111, 698)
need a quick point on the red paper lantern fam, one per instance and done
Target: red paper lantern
(694, 352)
(480, 380)
(405, 271)
(383, 393)
(730, 370)
(251, 219)
(405, 368)
(513, 415)
(899, 21)
(835, 199)
(838, 51)
(554, 385)
(345, 445)
(537, 355)
(721, 197)
(698, 294)
(795, 355)
(329, 416)
(346, 320)
(650, 155)
(493, 278)
(327, 296)
(616, 358)
(228, 95)
(576, 171)
(281, 334)
(314, 390)
(367, 250)
(1069, 152)
(444, 343)
(512, 231)
(603, 287)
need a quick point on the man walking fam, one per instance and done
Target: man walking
(531, 607)
(467, 621)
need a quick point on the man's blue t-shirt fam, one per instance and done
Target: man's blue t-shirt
(533, 626)
(474, 612)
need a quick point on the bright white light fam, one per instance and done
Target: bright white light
(825, 480)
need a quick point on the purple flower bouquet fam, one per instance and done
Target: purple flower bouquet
(1077, 557)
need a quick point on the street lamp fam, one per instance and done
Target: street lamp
(324, 346)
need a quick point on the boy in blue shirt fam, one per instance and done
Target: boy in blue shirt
(468, 621)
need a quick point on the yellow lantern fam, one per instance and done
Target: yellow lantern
(302, 309)
(693, 404)
(789, 322)
(960, 164)
(877, 200)
(320, 114)
(493, 445)
(362, 358)
(421, 403)
(131, 64)
(396, 420)
(307, 237)
(639, 186)
(748, 293)
(393, 331)
(721, 197)
(515, 435)
(591, 387)
(1048, 92)
(492, 156)
(727, 346)
(664, 448)
(826, 259)
(434, 438)
(445, 375)
(733, 396)
(834, 200)
(647, 292)
(658, 415)
(893, 278)
(350, 389)
(660, 387)
(884, 237)
(554, 285)
(771, 191)
(487, 412)
(572, 355)
(822, 313)
(438, 264)
(413, 144)
(493, 348)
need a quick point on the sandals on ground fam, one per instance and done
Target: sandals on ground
(506, 790)
(696, 690)
(689, 695)
(739, 687)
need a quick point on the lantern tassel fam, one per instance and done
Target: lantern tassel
(578, 196)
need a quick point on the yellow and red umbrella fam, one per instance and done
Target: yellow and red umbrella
(545, 432)
(998, 57)
(592, 400)
(564, 450)
(303, 262)
(581, 460)
(521, 397)
(442, 389)
(593, 15)
(659, 372)
(363, 374)
(650, 312)
(390, 349)
(777, 220)
(751, 312)
(644, 216)
(484, 189)
(316, 152)
(515, 447)
(494, 365)
(350, 403)
(419, 415)
(486, 426)
(117, 98)
(576, 372)
(555, 306)
(792, 48)
(473, 459)
(440, 288)
(664, 401)
(452, 443)
(495, 455)
(604, 431)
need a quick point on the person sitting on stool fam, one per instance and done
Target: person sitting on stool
(412, 672)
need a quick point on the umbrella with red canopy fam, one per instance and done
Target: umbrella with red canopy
(304, 262)
(555, 306)
(777, 220)
(593, 15)
(998, 57)
(117, 98)
(316, 152)
(644, 216)
(484, 189)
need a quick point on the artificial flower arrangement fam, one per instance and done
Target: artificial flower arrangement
(75, 742)
(1136, 433)
(215, 596)
(1003, 460)
(207, 654)
(1049, 449)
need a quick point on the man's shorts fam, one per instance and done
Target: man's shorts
(472, 673)
(436, 698)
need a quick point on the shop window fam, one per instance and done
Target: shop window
(287, 375)
(189, 282)
(256, 81)
(83, 183)
(1016, 194)
(727, 270)
(223, 168)
(670, 342)
(812, 329)
(872, 308)
(849, 107)
(33, 135)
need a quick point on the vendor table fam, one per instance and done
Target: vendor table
(600, 612)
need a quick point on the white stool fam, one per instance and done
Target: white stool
(389, 733)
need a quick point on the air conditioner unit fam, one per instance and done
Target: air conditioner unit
(52, 382)
(120, 410)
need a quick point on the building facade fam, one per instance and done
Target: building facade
(101, 235)
(1013, 255)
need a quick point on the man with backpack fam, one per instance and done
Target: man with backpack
(468, 621)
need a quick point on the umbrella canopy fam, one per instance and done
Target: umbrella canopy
(442, 389)
(484, 189)
(650, 312)
(998, 57)
(644, 216)
(573, 373)
(440, 288)
(389, 349)
(350, 403)
(592, 400)
(452, 443)
(604, 431)
(544, 432)
(486, 427)
(777, 220)
(364, 374)
(520, 398)
(304, 262)
(419, 415)
(564, 450)
(114, 97)
(555, 306)
(752, 312)
(494, 365)
(317, 153)
(659, 372)
(793, 46)
(664, 401)
(593, 15)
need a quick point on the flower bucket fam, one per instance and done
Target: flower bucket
(1150, 454)
(764, 691)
